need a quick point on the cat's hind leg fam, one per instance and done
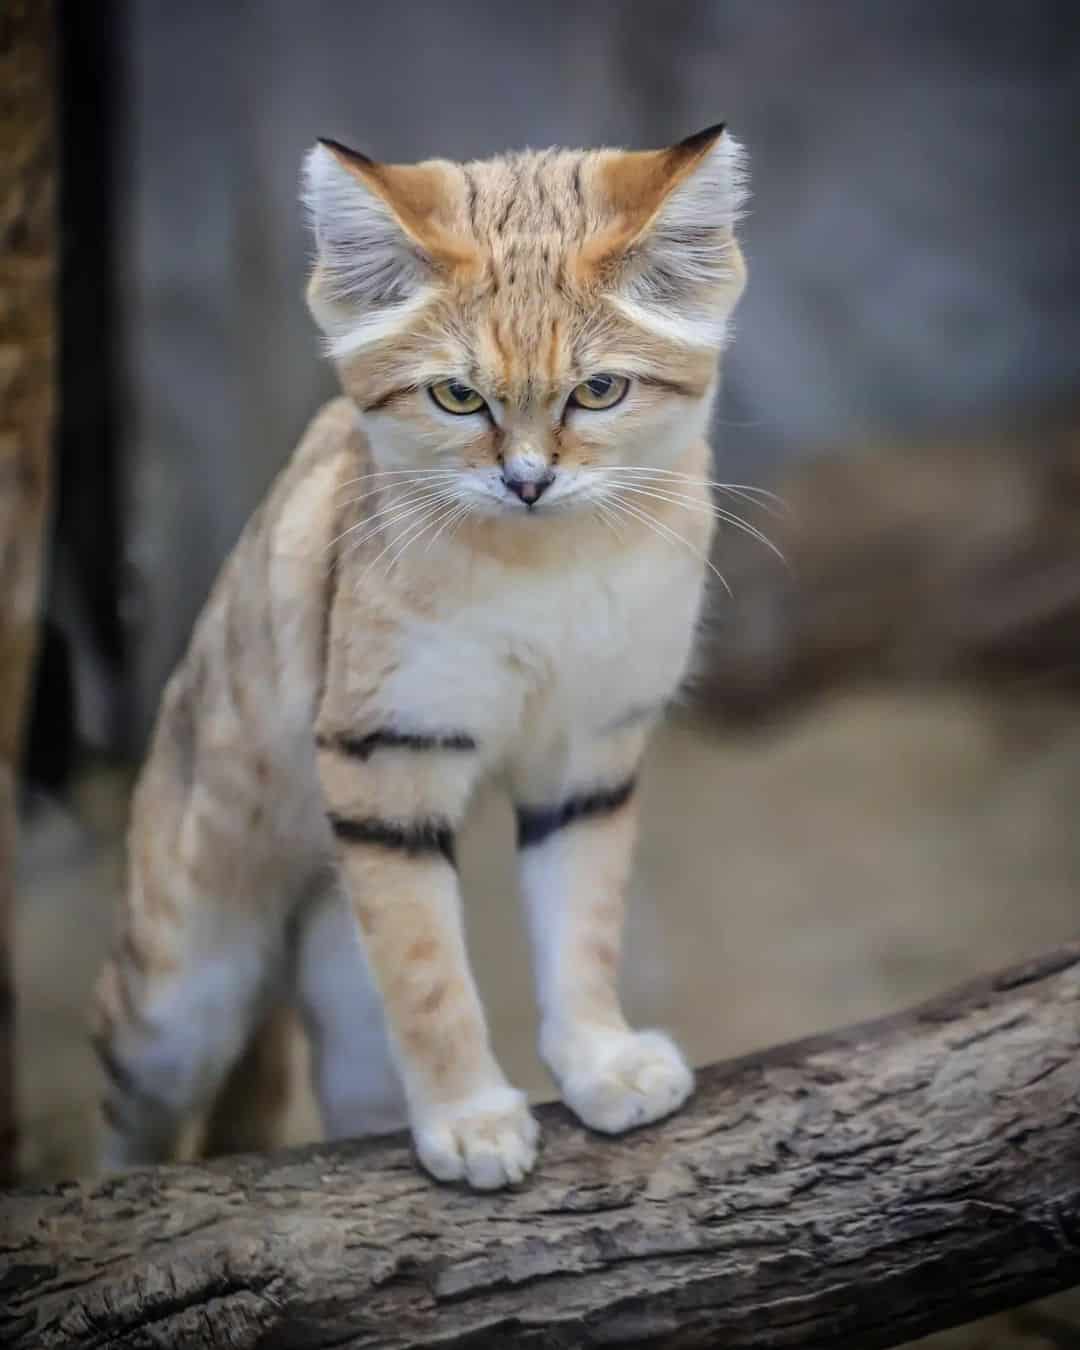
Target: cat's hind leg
(197, 956)
(171, 1022)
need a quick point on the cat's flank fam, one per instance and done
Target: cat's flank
(486, 559)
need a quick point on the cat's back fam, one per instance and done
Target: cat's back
(254, 663)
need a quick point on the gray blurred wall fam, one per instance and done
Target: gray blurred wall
(912, 235)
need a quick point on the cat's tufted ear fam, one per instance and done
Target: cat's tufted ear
(668, 250)
(382, 236)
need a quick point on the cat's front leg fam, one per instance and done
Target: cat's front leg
(394, 801)
(576, 832)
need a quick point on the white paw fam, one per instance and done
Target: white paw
(488, 1140)
(625, 1078)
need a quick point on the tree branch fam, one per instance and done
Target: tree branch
(854, 1190)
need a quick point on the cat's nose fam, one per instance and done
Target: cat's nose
(530, 490)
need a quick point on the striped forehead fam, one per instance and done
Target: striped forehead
(525, 316)
(523, 359)
(527, 198)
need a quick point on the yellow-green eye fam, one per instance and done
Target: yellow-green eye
(602, 391)
(454, 397)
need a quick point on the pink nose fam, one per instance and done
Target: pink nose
(530, 490)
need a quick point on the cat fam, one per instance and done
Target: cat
(486, 558)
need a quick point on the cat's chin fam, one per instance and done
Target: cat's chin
(517, 513)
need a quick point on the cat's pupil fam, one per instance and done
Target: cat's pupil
(599, 385)
(461, 392)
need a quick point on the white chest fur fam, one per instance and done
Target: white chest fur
(553, 653)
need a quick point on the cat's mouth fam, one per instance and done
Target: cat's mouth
(545, 493)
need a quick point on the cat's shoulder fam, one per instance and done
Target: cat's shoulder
(305, 503)
(333, 439)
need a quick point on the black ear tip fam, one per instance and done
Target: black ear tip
(343, 151)
(700, 139)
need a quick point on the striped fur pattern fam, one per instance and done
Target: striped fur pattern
(485, 559)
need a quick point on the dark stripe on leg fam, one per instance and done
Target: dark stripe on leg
(424, 838)
(536, 823)
(363, 747)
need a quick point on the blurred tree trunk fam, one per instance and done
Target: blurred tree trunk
(27, 339)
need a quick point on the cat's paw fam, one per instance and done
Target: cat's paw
(488, 1140)
(626, 1078)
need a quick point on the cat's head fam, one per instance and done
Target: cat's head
(521, 328)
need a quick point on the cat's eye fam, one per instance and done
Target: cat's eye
(454, 397)
(602, 391)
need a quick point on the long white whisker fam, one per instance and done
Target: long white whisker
(402, 513)
(418, 529)
(396, 473)
(460, 520)
(369, 518)
(693, 504)
(403, 485)
(758, 496)
(673, 494)
(665, 532)
(608, 516)
(656, 472)
(390, 507)
(428, 510)
(462, 509)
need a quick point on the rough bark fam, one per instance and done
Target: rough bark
(27, 260)
(854, 1190)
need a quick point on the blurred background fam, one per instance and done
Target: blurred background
(870, 793)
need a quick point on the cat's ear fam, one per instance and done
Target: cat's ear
(669, 250)
(381, 239)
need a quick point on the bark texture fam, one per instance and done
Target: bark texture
(854, 1190)
(27, 340)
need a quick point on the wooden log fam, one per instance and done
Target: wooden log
(854, 1190)
(27, 339)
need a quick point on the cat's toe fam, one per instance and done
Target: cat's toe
(489, 1140)
(635, 1078)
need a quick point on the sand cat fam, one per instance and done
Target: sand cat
(486, 559)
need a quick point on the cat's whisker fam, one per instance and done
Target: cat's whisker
(664, 531)
(429, 500)
(468, 511)
(396, 473)
(605, 514)
(756, 496)
(379, 520)
(463, 510)
(418, 530)
(427, 511)
(371, 517)
(404, 485)
(675, 494)
(694, 504)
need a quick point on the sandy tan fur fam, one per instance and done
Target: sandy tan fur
(394, 626)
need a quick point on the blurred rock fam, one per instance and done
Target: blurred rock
(946, 561)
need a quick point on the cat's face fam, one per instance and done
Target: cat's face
(520, 331)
